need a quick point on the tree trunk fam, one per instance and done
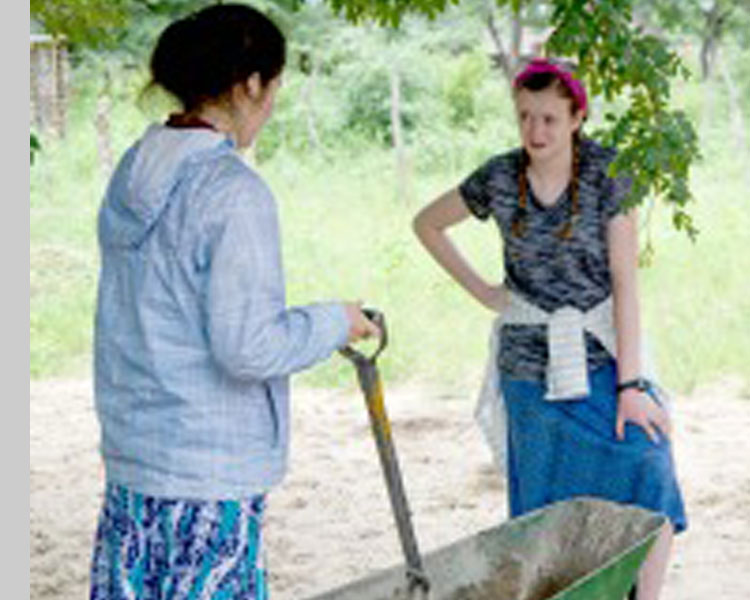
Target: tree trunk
(102, 124)
(737, 119)
(397, 135)
(60, 58)
(516, 39)
(500, 58)
(709, 108)
(714, 24)
(708, 54)
(307, 92)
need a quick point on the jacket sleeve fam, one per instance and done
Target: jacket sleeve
(252, 334)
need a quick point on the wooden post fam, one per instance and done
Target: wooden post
(60, 54)
(48, 59)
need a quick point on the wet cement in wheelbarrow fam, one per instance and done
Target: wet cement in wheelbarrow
(555, 558)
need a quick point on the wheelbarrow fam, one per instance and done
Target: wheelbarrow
(578, 549)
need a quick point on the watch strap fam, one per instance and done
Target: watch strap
(639, 383)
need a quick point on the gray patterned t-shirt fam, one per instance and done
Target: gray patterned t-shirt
(546, 270)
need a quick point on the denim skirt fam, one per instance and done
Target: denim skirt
(149, 548)
(562, 449)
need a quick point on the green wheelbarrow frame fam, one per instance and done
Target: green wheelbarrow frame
(578, 549)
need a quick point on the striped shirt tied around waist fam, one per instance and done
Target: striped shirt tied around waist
(567, 373)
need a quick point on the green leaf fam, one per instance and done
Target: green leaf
(35, 146)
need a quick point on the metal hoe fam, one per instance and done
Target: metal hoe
(418, 584)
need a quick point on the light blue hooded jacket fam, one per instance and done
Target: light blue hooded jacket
(194, 343)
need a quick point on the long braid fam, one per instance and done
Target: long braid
(567, 230)
(518, 227)
(540, 74)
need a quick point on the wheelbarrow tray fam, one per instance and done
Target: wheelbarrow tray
(580, 549)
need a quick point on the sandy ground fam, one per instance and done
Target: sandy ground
(330, 522)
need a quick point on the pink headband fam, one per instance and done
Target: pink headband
(542, 65)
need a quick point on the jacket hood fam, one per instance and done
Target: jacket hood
(141, 187)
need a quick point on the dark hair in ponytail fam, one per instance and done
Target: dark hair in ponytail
(200, 57)
(534, 83)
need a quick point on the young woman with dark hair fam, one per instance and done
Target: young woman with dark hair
(194, 343)
(571, 412)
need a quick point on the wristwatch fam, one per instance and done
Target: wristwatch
(639, 383)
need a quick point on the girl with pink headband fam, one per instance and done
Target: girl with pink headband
(541, 65)
(568, 404)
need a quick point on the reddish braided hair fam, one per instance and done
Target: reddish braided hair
(535, 82)
(518, 227)
(566, 232)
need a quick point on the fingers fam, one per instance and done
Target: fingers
(366, 328)
(360, 327)
(363, 329)
(643, 423)
(650, 431)
(372, 329)
(646, 414)
(662, 421)
(620, 426)
(656, 421)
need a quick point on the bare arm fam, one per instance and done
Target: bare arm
(622, 232)
(430, 226)
(634, 406)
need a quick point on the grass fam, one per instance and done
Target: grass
(697, 295)
(346, 235)
(355, 242)
(63, 255)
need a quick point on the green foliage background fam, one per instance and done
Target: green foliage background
(347, 231)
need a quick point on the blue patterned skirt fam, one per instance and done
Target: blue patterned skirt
(561, 449)
(149, 548)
